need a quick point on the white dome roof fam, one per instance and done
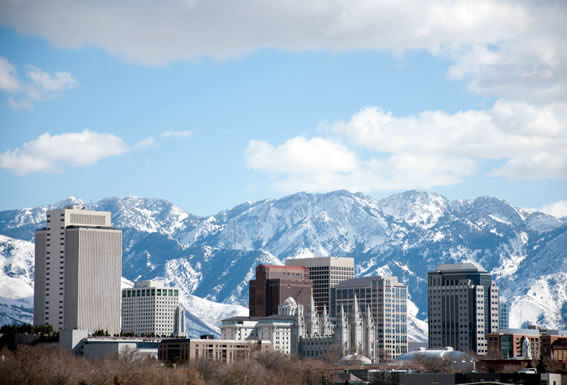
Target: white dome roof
(289, 301)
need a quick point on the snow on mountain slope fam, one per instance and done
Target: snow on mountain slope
(406, 235)
(16, 268)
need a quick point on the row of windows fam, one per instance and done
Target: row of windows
(150, 292)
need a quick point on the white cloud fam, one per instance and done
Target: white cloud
(300, 156)
(512, 49)
(53, 152)
(182, 133)
(430, 149)
(41, 85)
(557, 209)
(8, 79)
(55, 82)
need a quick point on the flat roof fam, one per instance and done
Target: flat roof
(275, 317)
(460, 267)
(366, 281)
(285, 267)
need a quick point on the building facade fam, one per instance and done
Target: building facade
(151, 308)
(512, 344)
(276, 329)
(325, 273)
(227, 351)
(273, 284)
(78, 271)
(463, 307)
(386, 299)
(503, 314)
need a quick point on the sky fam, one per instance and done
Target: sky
(211, 103)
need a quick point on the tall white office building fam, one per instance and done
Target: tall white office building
(463, 307)
(386, 300)
(325, 273)
(78, 270)
(151, 308)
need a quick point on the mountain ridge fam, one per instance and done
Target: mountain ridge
(405, 234)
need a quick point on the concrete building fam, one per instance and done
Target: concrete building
(325, 273)
(227, 351)
(273, 284)
(463, 307)
(386, 298)
(276, 329)
(78, 270)
(503, 314)
(150, 308)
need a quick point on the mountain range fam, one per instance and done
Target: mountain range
(407, 234)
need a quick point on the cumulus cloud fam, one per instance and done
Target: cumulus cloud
(180, 133)
(429, 149)
(53, 152)
(40, 85)
(503, 48)
(557, 209)
(299, 156)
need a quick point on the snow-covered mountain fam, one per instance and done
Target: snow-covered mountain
(212, 258)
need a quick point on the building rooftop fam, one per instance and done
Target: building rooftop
(364, 281)
(460, 267)
(275, 317)
(284, 267)
(529, 332)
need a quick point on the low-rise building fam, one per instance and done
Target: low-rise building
(276, 328)
(227, 351)
(515, 344)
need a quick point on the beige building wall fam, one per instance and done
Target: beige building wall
(49, 297)
(325, 273)
(93, 258)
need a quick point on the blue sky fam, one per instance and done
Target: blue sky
(266, 106)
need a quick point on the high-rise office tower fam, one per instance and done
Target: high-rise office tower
(503, 314)
(151, 308)
(387, 300)
(325, 273)
(463, 307)
(274, 284)
(78, 270)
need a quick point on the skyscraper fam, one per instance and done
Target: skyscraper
(78, 270)
(274, 284)
(386, 298)
(463, 307)
(325, 273)
(151, 308)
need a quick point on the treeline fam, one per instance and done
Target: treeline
(52, 366)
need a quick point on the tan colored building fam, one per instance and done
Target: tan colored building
(227, 351)
(325, 273)
(78, 270)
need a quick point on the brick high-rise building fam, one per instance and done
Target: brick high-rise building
(274, 284)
